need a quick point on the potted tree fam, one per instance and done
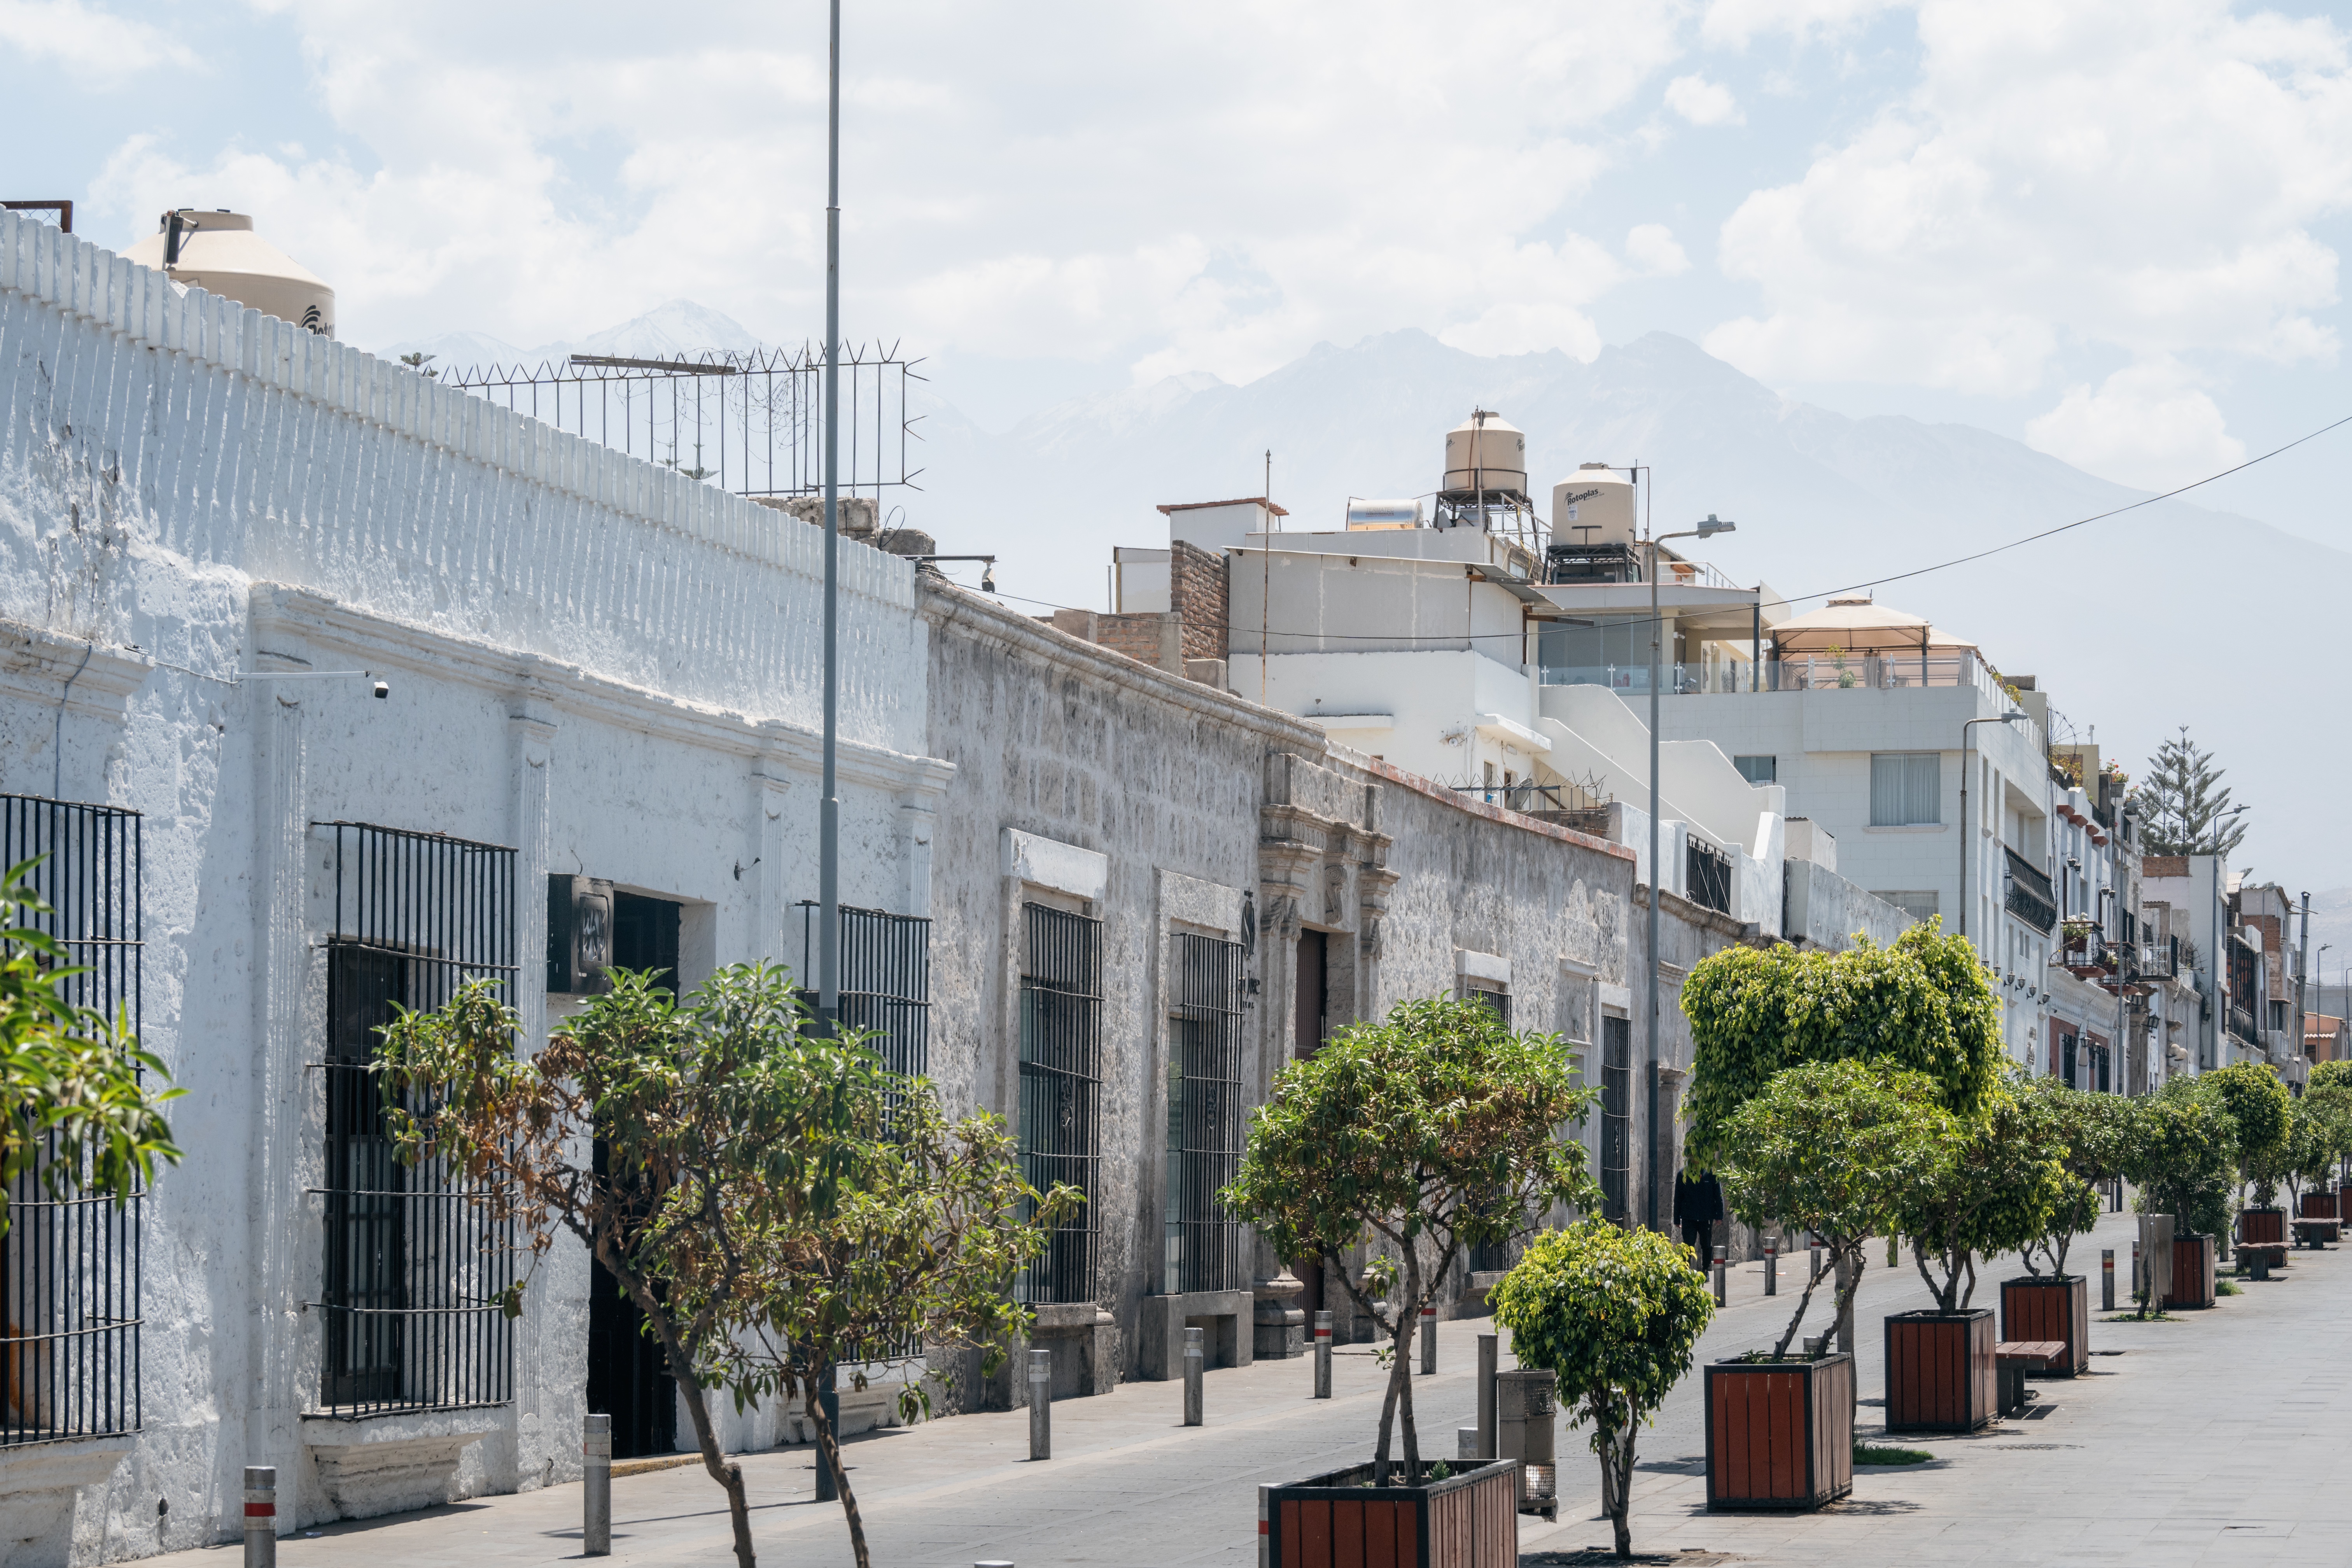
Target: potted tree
(1990, 1191)
(2179, 1158)
(1432, 1131)
(1828, 1147)
(1613, 1314)
(2095, 1132)
(2259, 1109)
(2322, 1138)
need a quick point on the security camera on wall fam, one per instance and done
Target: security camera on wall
(579, 935)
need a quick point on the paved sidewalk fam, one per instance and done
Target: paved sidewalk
(2214, 1440)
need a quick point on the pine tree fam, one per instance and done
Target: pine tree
(2182, 807)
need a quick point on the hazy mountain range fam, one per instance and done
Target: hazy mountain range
(2167, 615)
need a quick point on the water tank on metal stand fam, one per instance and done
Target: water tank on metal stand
(1592, 506)
(1485, 452)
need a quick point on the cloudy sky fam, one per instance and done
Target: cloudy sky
(2109, 228)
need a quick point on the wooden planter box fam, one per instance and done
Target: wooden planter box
(2258, 1227)
(1470, 1519)
(2320, 1206)
(2193, 1274)
(1939, 1370)
(2050, 1306)
(1779, 1435)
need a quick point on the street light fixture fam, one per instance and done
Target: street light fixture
(1968, 824)
(2213, 958)
(1707, 529)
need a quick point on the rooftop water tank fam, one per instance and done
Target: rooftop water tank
(1485, 452)
(1364, 513)
(1592, 506)
(219, 253)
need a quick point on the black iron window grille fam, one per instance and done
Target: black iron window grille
(1616, 1116)
(885, 981)
(1061, 1089)
(70, 1285)
(1498, 1001)
(415, 1268)
(1708, 875)
(1204, 1114)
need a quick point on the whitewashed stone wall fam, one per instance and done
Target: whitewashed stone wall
(609, 666)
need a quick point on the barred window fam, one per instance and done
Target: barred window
(1204, 1114)
(1061, 1088)
(413, 1266)
(69, 1270)
(1492, 994)
(885, 981)
(1616, 1115)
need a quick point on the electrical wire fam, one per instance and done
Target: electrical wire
(1821, 593)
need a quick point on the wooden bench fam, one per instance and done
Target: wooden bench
(2261, 1256)
(2012, 1358)
(2318, 1233)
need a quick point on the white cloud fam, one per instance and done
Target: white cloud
(1150, 192)
(2145, 175)
(1735, 22)
(2149, 425)
(1652, 249)
(1701, 102)
(89, 45)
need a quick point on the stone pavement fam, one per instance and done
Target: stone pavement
(2212, 1439)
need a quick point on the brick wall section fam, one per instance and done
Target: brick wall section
(1139, 637)
(1197, 593)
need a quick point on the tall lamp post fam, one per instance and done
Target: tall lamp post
(1968, 824)
(1707, 529)
(828, 872)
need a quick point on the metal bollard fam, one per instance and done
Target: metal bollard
(1322, 1355)
(1815, 1251)
(261, 1516)
(1489, 1352)
(2107, 1279)
(2139, 1277)
(1041, 1404)
(596, 1486)
(1264, 1524)
(1721, 1284)
(1465, 1443)
(1428, 1341)
(1195, 1359)
(1771, 1268)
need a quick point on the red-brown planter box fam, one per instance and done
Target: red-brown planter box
(1470, 1519)
(1939, 1370)
(2050, 1306)
(1779, 1435)
(2257, 1227)
(2193, 1273)
(2320, 1206)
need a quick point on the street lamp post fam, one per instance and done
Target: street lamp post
(1707, 529)
(2213, 959)
(1968, 822)
(828, 872)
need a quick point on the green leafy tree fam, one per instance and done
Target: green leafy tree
(2258, 1107)
(2097, 1132)
(2180, 1159)
(81, 1103)
(2319, 1136)
(1833, 1148)
(884, 1225)
(1433, 1130)
(1922, 1004)
(2182, 807)
(1991, 1192)
(699, 1103)
(1615, 1314)
(2327, 1073)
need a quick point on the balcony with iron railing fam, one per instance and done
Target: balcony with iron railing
(2027, 894)
(1813, 672)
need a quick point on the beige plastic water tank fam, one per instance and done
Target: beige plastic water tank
(219, 253)
(1593, 505)
(1487, 451)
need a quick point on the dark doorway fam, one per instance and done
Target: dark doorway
(645, 936)
(628, 1376)
(1312, 999)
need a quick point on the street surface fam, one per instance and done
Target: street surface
(2217, 1439)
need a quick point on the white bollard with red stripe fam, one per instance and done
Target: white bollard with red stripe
(1264, 1530)
(1322, 1355)
(261, 1516)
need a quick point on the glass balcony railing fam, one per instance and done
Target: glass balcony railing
(1817, 672)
